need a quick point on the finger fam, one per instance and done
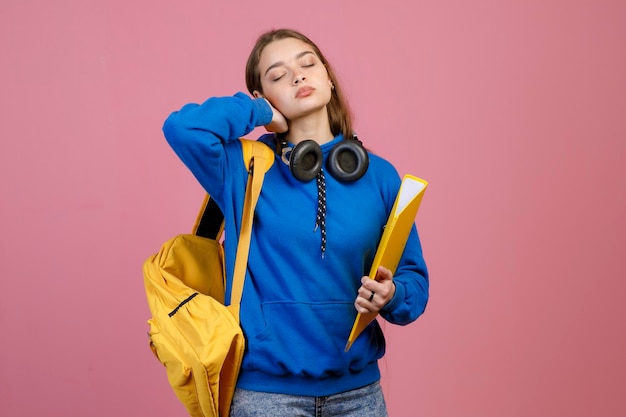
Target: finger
(364, 293)
(362, 305)
(383, 274)
(361, 309)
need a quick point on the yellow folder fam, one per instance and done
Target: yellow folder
(393, 241)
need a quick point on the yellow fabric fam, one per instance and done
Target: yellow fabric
(201, 344)
(196, 337)
(194, 258)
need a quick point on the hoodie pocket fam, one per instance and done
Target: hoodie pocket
(309, 339)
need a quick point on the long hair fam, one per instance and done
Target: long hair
(339, 114)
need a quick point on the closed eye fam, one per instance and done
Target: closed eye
(277, 76)
(308, 62)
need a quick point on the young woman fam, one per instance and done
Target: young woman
(320, 216)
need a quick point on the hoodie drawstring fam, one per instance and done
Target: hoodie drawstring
(320, 221)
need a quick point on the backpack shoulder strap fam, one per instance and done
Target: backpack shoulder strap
(252, 148)
(260, 160)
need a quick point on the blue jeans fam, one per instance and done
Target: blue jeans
(362, 402)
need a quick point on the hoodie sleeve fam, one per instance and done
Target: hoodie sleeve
(202, 135)
(412, 285)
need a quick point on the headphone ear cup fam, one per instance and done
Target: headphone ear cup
(306, 160)
(347, 161)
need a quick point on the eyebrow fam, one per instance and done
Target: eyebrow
(279, 63)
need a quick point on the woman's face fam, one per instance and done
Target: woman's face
(293, 78)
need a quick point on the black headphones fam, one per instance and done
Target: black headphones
(347, 160)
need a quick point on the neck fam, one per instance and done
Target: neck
(314, 126)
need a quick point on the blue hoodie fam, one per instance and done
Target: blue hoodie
(298, 306)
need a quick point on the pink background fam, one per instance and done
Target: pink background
(514, 111)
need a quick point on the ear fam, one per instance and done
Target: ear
(256, 94)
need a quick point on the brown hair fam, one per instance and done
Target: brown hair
(339, 115)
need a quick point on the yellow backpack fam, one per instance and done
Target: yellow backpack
(192, 333)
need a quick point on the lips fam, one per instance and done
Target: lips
(304, 92)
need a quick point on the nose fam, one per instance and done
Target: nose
(299, 78)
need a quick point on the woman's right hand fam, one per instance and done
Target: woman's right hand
(278, 123)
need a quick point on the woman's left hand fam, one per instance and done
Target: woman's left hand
(375, 294)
